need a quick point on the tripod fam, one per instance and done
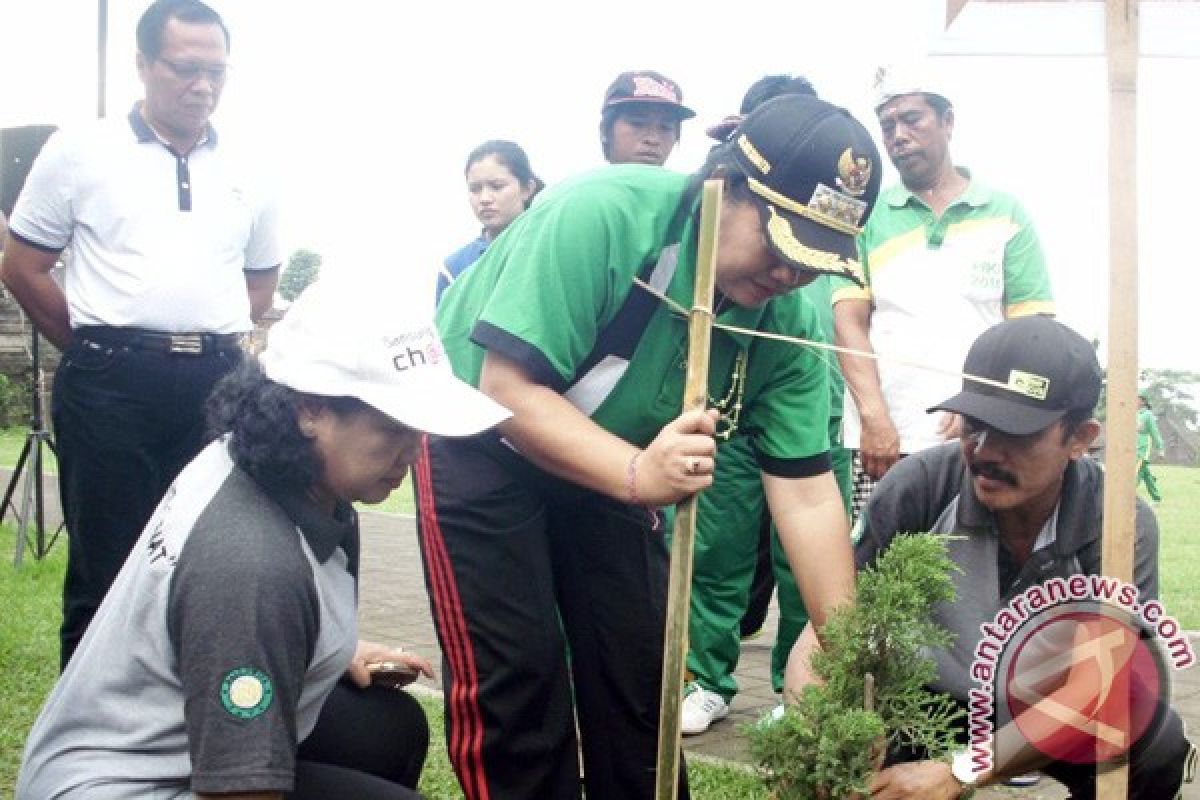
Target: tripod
(33, 493)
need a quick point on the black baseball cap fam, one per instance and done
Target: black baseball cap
(1045, 371)
(646, 87)
(814, 172)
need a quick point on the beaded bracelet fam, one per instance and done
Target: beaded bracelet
(631, 480)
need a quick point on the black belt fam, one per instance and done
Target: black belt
(191, 344)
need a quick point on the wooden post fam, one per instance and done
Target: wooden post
(695, 396)
(1121, 429)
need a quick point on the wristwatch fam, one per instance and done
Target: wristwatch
(964, 772)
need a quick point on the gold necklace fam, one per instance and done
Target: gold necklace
(729, 407)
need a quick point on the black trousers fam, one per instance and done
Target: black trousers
(368, 744)
(126, 422)
(762, 588)
(520, 566)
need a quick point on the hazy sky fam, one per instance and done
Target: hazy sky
(365, 110)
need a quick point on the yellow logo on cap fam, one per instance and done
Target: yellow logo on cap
(756, 158)
(854, 172)
(1028, 384)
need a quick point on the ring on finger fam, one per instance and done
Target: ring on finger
(693, 464)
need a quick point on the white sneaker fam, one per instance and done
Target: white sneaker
(701, 708)
(1028, 779)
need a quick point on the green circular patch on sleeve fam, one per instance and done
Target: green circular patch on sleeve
(246, 692)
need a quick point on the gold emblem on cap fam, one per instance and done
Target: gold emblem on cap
(1028, 384)
(756, 158)
(780, 231)
(834, 205)
(827, 207)
(854, 172)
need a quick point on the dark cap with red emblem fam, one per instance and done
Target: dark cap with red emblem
(646, 87)
(814, 173)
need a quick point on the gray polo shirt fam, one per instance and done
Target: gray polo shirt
(211, 655)
(930, 491)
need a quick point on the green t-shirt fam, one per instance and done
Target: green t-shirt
(557, 277)
(820, 294)
(993, 255)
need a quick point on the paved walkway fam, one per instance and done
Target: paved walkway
(394, 608)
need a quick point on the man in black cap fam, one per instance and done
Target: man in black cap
(641, 117)
(1022, 502)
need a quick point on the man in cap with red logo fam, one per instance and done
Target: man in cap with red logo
(641, 117)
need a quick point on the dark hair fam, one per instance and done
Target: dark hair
(154, 20)
(608, 118)
(512, 156)
(1073, 419)
(261, 416)
(765, 88)
(771, 86)
(722, 164)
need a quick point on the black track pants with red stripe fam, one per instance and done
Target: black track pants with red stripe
(514, 559)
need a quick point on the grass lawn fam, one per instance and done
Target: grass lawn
(11, 442)
(31, 598)
(1179, 543)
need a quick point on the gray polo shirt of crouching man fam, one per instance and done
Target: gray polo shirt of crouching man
(211, 655)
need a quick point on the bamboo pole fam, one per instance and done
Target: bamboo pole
(1112, 779)
(695, 396)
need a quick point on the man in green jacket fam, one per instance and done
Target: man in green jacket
(1148, 439)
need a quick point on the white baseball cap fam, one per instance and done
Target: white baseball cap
(377, 344)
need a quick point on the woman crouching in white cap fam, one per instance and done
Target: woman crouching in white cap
(213, 665)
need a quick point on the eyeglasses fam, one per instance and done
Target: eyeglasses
(190, 73)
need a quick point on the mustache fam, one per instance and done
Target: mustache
(994, 473)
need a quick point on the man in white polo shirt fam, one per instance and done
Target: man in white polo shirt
(174, 252)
